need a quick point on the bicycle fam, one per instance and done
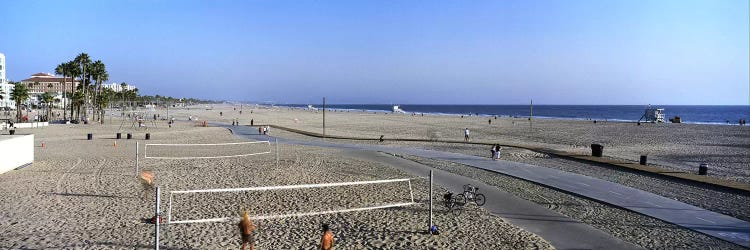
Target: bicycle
(453, 204)
(471, 194)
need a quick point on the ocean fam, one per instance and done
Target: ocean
(688, 113)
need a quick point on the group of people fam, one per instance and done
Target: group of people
(246, 232)
(496, 152)
(264, 130)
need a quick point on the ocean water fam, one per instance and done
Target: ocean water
(688, 113)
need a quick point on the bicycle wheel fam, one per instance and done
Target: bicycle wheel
(479, 199)
(460, 200)
(456, 209)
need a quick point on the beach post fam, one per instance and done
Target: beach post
(136, 160)
(429, 227)
(156, 216)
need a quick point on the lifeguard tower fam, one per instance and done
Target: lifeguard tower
(652, 115)
(396, 109)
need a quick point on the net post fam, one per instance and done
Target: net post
(430, 226)
(156, 220)
(411, 192)
(277, 152)
(169, 210)
(137, 171)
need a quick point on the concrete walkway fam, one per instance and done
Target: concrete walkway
(559, 230)
(711, 223)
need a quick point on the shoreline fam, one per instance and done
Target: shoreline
(475, 115)
(599, 119)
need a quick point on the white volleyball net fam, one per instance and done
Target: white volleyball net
(274, 202)
(206, 151)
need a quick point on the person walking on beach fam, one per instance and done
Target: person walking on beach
(493, 152)
(148, 184)
(466, 134)
(497, 152)
(246, 231)
(326, 242)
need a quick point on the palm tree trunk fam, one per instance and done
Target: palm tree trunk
(72, 87)
(65, 117)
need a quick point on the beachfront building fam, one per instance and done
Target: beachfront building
(5, 87)
(118, 87)
(40, 83)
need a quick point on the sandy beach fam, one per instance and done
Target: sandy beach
(84, 194)
(673, 146)
(81, 193)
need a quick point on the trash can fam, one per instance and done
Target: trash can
(119, 135)
(643, 160)
(148, 136)
(597, 150)
(703, 169)
(130, 136)
(90, 136)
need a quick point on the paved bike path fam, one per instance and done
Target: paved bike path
(559, 230)
(715, 224)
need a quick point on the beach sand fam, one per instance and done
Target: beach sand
(673, 146)
(84, 194)
(81, 193)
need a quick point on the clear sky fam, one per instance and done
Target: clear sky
(401, 52)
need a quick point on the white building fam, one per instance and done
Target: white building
(117, 87)
(5, 87)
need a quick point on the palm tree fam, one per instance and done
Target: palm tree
(73, 70)
(104, 98)
(19, 94)
(99, 74)
(61, 69)
(47, 99)
(84, 61)
(122, 90)
(77, 101)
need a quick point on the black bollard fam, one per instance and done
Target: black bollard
(130, 136)
(597, 150)
(148, 136)
(90, 136)
(703, 169)
(119, 135)
(643, 160)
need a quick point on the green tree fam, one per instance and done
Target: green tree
(73, 70)
(62, 69)
(99, 74)
(77, 102)
(83, 61)
(122, 92)
(19, 94)
(47, 99)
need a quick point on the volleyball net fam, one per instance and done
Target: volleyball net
(275, 202)
(206, 151)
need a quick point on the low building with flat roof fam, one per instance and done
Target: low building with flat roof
(46, 82)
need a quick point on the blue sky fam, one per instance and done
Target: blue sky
(405, 52)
